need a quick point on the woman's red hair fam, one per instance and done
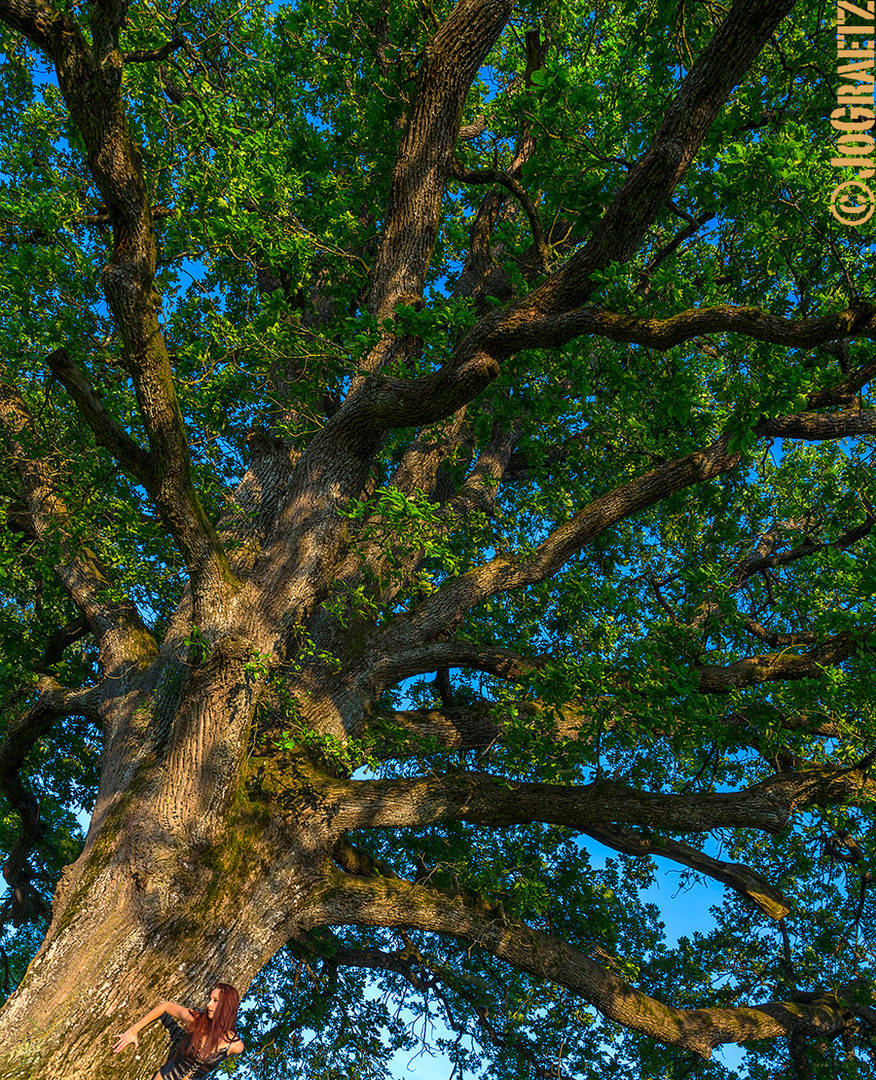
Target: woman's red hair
(206, 1034)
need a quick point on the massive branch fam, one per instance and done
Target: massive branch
(484, 799)
(390, 902)
(479, 726)
(818, 427)
(424, 159)
(541, 330)
(441, 611)
(391, 668)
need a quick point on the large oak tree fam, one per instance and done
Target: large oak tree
(435, 440)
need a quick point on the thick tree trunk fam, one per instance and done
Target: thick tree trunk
(176, 889)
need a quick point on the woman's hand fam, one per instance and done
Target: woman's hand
(129, 1038)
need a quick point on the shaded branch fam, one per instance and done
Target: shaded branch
(758, 562)
(481, 725)
(384, 661)
(503, 663)
(482, 274)
(775, 667)
(36, 20)
(176, 501)
(116, 625)
(844, 392)
(90, 80)
(816, 427)
(158, 214)
(145, 56)
(767, 556)
(481, 486)
(537, 329)
(464, 727)
(106, 431)
(693, 226)
(420, 466)
(22, 735)
(499, 176)
(353, 859)
(743, 880)
(777, 640)
(523, 467)
(421, 470)
(59, 641)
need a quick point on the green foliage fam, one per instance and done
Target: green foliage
(268, 148)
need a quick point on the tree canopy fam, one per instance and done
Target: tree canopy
(436, 441)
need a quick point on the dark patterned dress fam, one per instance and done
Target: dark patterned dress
(182, 1063)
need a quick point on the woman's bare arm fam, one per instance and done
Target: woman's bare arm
(129, 1037)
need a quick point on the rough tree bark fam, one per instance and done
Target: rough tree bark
(204, 855)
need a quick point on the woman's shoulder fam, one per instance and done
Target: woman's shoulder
(235, 1043)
